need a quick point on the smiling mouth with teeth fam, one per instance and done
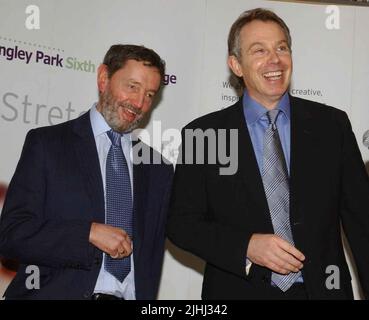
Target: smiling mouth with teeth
(131, 112)
(273, 75)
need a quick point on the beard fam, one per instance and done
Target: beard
(109, 110)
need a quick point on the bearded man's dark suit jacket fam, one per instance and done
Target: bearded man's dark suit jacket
(214, 216)
(55, 195)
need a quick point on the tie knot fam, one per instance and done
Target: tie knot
(272, 116)
(114, 138)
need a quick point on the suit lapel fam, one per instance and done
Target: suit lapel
(88, 161)
(248, 169)
(140, 190)
(302, 151)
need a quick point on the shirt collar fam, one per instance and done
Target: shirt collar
(253, 110)
(98, 122)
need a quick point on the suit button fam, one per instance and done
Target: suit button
(264, 279)
(97, 260)
(87, 295)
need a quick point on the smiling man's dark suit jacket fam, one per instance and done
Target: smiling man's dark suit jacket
(214, 216)
(55, 194)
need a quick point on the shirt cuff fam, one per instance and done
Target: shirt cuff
(248, 266)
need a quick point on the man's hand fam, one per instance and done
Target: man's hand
(113, 241)
(275, 253)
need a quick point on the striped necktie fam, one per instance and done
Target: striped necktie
(276, 186)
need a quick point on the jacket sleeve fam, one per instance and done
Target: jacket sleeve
(161, 233)
(27, 234)
(193, 228)
(355, 201)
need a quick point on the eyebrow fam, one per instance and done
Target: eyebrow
(133, 81)
(261, 44)
(139, 84)
(282, 41)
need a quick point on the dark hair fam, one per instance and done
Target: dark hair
(118, 54)
(234, 45)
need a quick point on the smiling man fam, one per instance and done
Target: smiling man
(79, 209)
(272, 230)
(263, 61)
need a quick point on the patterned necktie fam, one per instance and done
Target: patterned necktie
(118, 201)
(276, 186)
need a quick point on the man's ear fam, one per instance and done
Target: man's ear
(235, 66)
(102, 78)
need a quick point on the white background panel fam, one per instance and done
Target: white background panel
(191, 36)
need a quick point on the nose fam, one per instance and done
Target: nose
(273, 56)
(139, 100)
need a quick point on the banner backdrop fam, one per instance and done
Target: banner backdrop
(48, 75)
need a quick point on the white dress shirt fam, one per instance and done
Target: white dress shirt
(107, 283)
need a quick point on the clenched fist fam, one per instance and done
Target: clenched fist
(113, 241)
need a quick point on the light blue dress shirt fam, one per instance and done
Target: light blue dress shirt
(107, 283)
(257, 122)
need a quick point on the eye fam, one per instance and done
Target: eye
(259, 51)
(131, 86)
(283, 48)
(150, 95)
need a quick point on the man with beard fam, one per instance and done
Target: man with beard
(82, 215)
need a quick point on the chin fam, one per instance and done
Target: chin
(277, 92)
(128, 127)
